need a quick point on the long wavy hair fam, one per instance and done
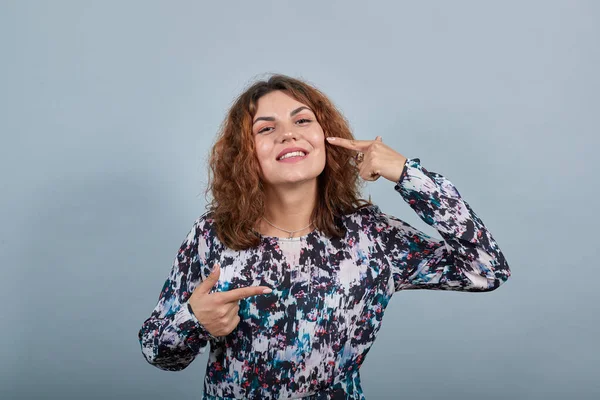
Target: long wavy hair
(235, 182)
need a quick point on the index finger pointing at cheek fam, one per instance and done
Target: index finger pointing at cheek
(358, 145)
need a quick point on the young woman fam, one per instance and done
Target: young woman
(286, 216)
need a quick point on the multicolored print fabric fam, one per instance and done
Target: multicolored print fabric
(309, 337)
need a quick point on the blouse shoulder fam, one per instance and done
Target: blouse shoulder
(367, 213)
(363, 219)
(204, 232)
(204, 220)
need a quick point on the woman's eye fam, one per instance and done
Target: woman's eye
(267, 128)
(264, 129)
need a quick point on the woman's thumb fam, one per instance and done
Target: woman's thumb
(211, 279)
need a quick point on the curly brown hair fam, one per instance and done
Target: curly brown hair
(238, 198)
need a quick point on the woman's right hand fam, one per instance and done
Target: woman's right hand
(218, 311)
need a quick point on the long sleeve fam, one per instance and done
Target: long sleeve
(172, 337)
(467, 259)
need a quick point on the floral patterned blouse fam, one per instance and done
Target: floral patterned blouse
(309, 337)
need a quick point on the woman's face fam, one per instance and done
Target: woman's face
(282, 124)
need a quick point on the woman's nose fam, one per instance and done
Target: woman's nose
(289, 134)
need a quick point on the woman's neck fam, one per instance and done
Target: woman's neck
(289, 208)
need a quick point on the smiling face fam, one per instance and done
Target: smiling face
(283, 124)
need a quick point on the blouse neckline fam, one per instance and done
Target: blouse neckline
(286, 239)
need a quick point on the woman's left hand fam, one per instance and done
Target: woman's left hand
(378, 160)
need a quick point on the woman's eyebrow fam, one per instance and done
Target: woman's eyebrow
(294, 112)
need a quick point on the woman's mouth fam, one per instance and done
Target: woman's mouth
(293, 157)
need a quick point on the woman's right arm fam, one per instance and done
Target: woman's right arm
(172, 336)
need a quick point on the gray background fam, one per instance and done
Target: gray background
(108, 111)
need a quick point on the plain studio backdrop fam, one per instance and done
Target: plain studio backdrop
(108, 110)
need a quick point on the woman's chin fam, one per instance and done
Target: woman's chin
(297, 180)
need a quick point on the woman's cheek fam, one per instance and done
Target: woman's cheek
(263, 150)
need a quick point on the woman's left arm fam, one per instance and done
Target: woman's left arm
(468, 259)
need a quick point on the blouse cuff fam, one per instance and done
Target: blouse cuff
(192, 332)
(409, 163)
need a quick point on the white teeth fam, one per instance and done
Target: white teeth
(292, 154)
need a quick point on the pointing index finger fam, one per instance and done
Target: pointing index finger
(352, 144)
(241, 293)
